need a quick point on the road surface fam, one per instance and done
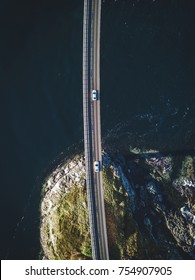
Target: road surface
(92, 128)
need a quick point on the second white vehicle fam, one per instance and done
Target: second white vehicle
(96, 166)
(95, 94)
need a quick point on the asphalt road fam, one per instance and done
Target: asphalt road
(92, 128)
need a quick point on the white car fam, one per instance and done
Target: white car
(96, 166)
(94, 94)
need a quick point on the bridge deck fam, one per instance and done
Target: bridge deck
(92, 127)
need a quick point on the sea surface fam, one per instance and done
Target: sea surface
(147, 91)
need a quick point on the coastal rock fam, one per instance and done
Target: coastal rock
(188, 215)
(160, 164)
(180, 230)
(144, 209)
(64, 214)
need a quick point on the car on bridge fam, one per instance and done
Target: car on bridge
(97, 166)
(94, 94)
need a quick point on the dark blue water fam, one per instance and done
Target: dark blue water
(41, 108)
(147, 83)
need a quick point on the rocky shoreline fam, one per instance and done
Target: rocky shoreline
(150, 208)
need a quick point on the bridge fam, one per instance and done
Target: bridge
(92, 128)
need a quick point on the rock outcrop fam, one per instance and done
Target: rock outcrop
(150, 208)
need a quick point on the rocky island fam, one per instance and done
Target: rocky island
(149, 201)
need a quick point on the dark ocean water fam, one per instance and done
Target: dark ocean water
(147, 83)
